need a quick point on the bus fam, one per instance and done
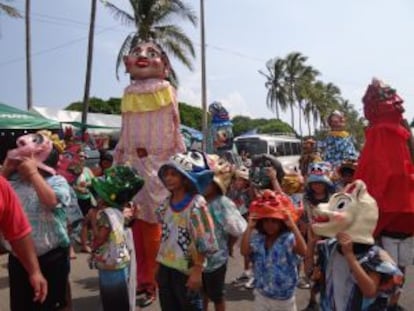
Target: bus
(285, 148)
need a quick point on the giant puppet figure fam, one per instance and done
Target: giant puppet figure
(339, 145)
(150, 135)
(221, 130)
(385, 164)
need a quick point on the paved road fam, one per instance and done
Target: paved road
(85, 293)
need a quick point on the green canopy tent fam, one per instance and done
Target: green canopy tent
(15, 122)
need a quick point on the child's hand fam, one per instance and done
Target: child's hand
(252, 221)
(345, 241)
(271, 173)
(288, 219)
(194, 280)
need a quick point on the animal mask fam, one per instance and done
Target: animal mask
(147, 61)
(353, 211)
(38, 145)
(223, 173)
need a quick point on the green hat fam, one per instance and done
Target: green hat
(118, 186)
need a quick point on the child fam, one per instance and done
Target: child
(318, 189)
(358, 275)
(187, 231)
(240, 194)
(228, 226)
(112, 246)
(273, 250)
(346, 173)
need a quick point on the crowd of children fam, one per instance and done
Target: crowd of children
(313, 231)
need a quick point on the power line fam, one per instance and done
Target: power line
(15, 60)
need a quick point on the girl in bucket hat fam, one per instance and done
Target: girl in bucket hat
(318, 189)
(274, 250)
(187, 231)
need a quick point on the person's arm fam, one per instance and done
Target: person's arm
(245, 248)
(194, 281)
(272, 174)
(25, 252)
(300, 247)
(28, 171)
(367, 282)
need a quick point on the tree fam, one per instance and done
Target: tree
(151, 20)
(9, 10)
(275, 83)
(294, 73)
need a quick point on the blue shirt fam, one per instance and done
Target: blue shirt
(275, 269)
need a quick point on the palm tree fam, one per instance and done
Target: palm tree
(303, 89)
(151, 20)
(9, 10)
(297, 75)
(276, 98)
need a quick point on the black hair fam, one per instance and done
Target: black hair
(282, 225)
(52, 161)
(346, 170)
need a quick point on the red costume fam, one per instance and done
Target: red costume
(385, 164)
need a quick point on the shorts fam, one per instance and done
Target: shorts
(173, 292)
(263, 303)
(401, 250)
(114, 291)
(213, 284)
(55, 267)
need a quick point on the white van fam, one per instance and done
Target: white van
(285, 148)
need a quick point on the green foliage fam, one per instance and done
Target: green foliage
(242, 124)
(191, 116)
(98, 105)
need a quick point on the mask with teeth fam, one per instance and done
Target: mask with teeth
(353, 211)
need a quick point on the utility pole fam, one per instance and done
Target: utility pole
(28, 58)
(203, 78)
(88, 69)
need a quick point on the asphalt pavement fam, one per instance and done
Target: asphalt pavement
(85, 294)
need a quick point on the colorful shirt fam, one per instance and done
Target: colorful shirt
(49, 225)
(338, 148)
(275, 269)
(241, 198)
(150, 135)
(185, 234)
(84, 178)
(114, 253)
(13, 222)
(227, 222)
(342, 291)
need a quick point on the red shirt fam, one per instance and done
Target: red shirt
(14, 224)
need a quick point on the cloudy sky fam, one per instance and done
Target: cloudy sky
(349, 42)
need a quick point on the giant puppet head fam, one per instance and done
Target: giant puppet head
(43, 146)
(353, 211)
(147, 60)
(382, 103)
(222, 128)
(337, 121)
